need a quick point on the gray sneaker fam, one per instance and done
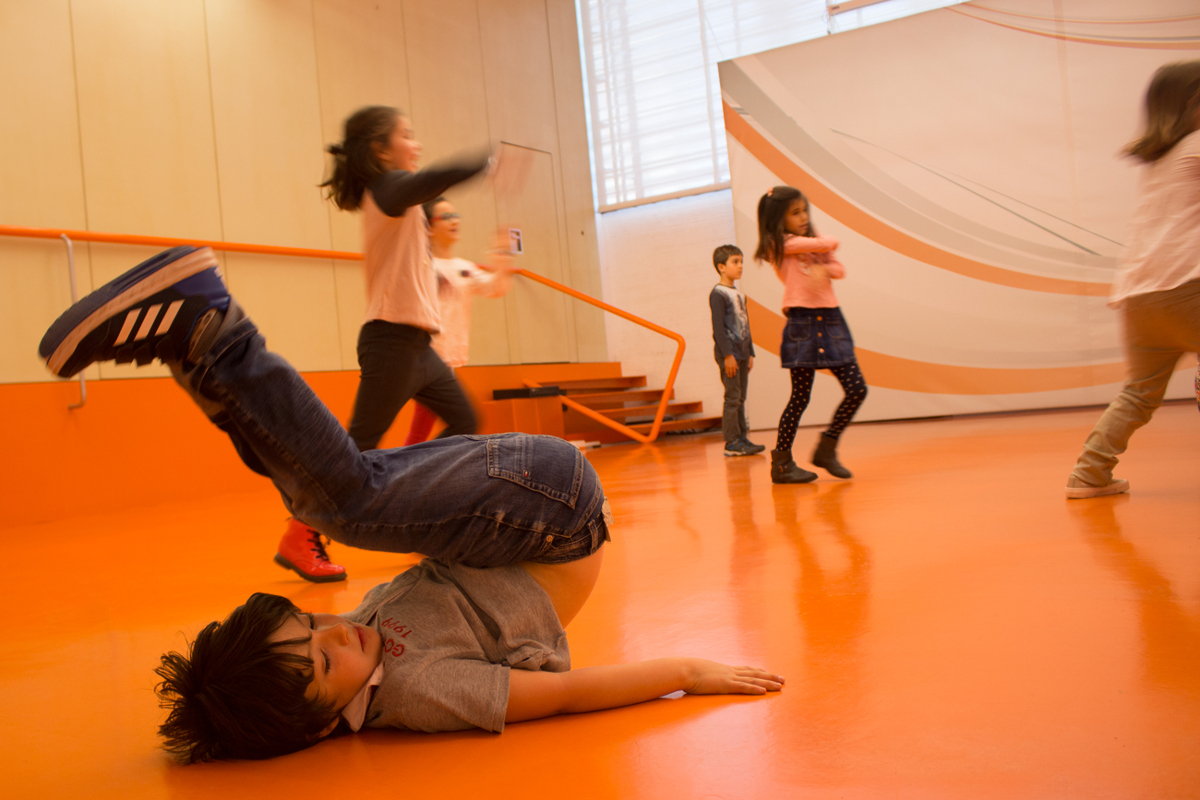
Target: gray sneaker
(751, 447)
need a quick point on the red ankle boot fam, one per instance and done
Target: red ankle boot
(302, 550)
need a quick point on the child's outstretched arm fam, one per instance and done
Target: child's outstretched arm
(814, 244)
(533, 695)
(495, 277)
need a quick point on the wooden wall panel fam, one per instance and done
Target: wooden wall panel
(539, 328)
(449, 106)
(145, 118)
(293, 301)
(209, 118)
(578, 217)
(450, 115)
(34, 290)
(268, 119)
(445, 74)
(360, 62)
(270, 158)
(146, 131)
(40, 168)
(41, 178)
(518, 74)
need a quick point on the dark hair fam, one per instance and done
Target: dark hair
(721, 255)
(772, 208)
(354, 161)
(1171, 105)
(235, 695)
(431, 205)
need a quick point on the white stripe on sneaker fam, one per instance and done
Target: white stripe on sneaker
(128, 326)
(168, 318)
(148, 322)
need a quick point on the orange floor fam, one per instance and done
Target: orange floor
(949, 625)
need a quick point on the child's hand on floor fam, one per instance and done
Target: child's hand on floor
(710, 677)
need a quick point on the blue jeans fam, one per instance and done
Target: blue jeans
(479, 500)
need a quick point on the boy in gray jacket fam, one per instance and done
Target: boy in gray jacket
(472, 637)
(733, 349)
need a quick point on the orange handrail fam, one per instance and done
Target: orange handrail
(666, 396)
(273, 250)
(168, 241)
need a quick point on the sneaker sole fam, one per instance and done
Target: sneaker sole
(735, 454)
(1084, 492)
(283, 562)
(144, 281)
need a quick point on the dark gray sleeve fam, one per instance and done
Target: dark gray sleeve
(397, 191)
(717, 303)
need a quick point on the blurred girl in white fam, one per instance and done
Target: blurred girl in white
(1158, 288)
(816, 336)
(459, 281)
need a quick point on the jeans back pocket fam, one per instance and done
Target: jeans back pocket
(544, 464)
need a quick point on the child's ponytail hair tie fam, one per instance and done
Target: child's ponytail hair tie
(771, 192)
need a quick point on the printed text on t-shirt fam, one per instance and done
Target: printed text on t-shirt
(391, 646)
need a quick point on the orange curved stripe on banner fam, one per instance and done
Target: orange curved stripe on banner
(1066, 37)
(1162, 20)
(906, 374)
(875, 229)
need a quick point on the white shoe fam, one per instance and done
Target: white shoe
(1078, 490)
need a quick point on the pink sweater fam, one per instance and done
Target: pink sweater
(402, 286)
(808, 271)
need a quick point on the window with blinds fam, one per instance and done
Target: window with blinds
(654, 99)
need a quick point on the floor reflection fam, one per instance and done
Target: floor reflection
(832, 600)
(1170, 632)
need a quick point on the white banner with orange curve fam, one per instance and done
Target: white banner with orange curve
(968, 160)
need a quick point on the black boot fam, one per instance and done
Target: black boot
(825, 457)
(784, 469)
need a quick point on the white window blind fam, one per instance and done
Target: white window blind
(654, 99)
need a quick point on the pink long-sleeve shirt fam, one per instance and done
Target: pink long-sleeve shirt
(808, 270)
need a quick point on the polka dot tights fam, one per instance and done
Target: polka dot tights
(854, 386)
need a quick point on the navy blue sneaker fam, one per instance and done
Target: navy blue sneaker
(751, 447)
(149, 312)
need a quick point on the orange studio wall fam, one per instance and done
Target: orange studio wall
(133, 443)
(142, 442)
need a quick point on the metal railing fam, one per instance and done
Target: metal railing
(272, 250)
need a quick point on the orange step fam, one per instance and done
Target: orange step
(617, 399)
(593, 385)
(691, 424)
(673, 410)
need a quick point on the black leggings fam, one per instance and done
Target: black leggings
(853, 384)
(397, 365)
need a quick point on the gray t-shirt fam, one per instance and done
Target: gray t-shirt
(450, 635)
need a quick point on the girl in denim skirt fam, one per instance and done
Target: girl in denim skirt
(816, 336)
